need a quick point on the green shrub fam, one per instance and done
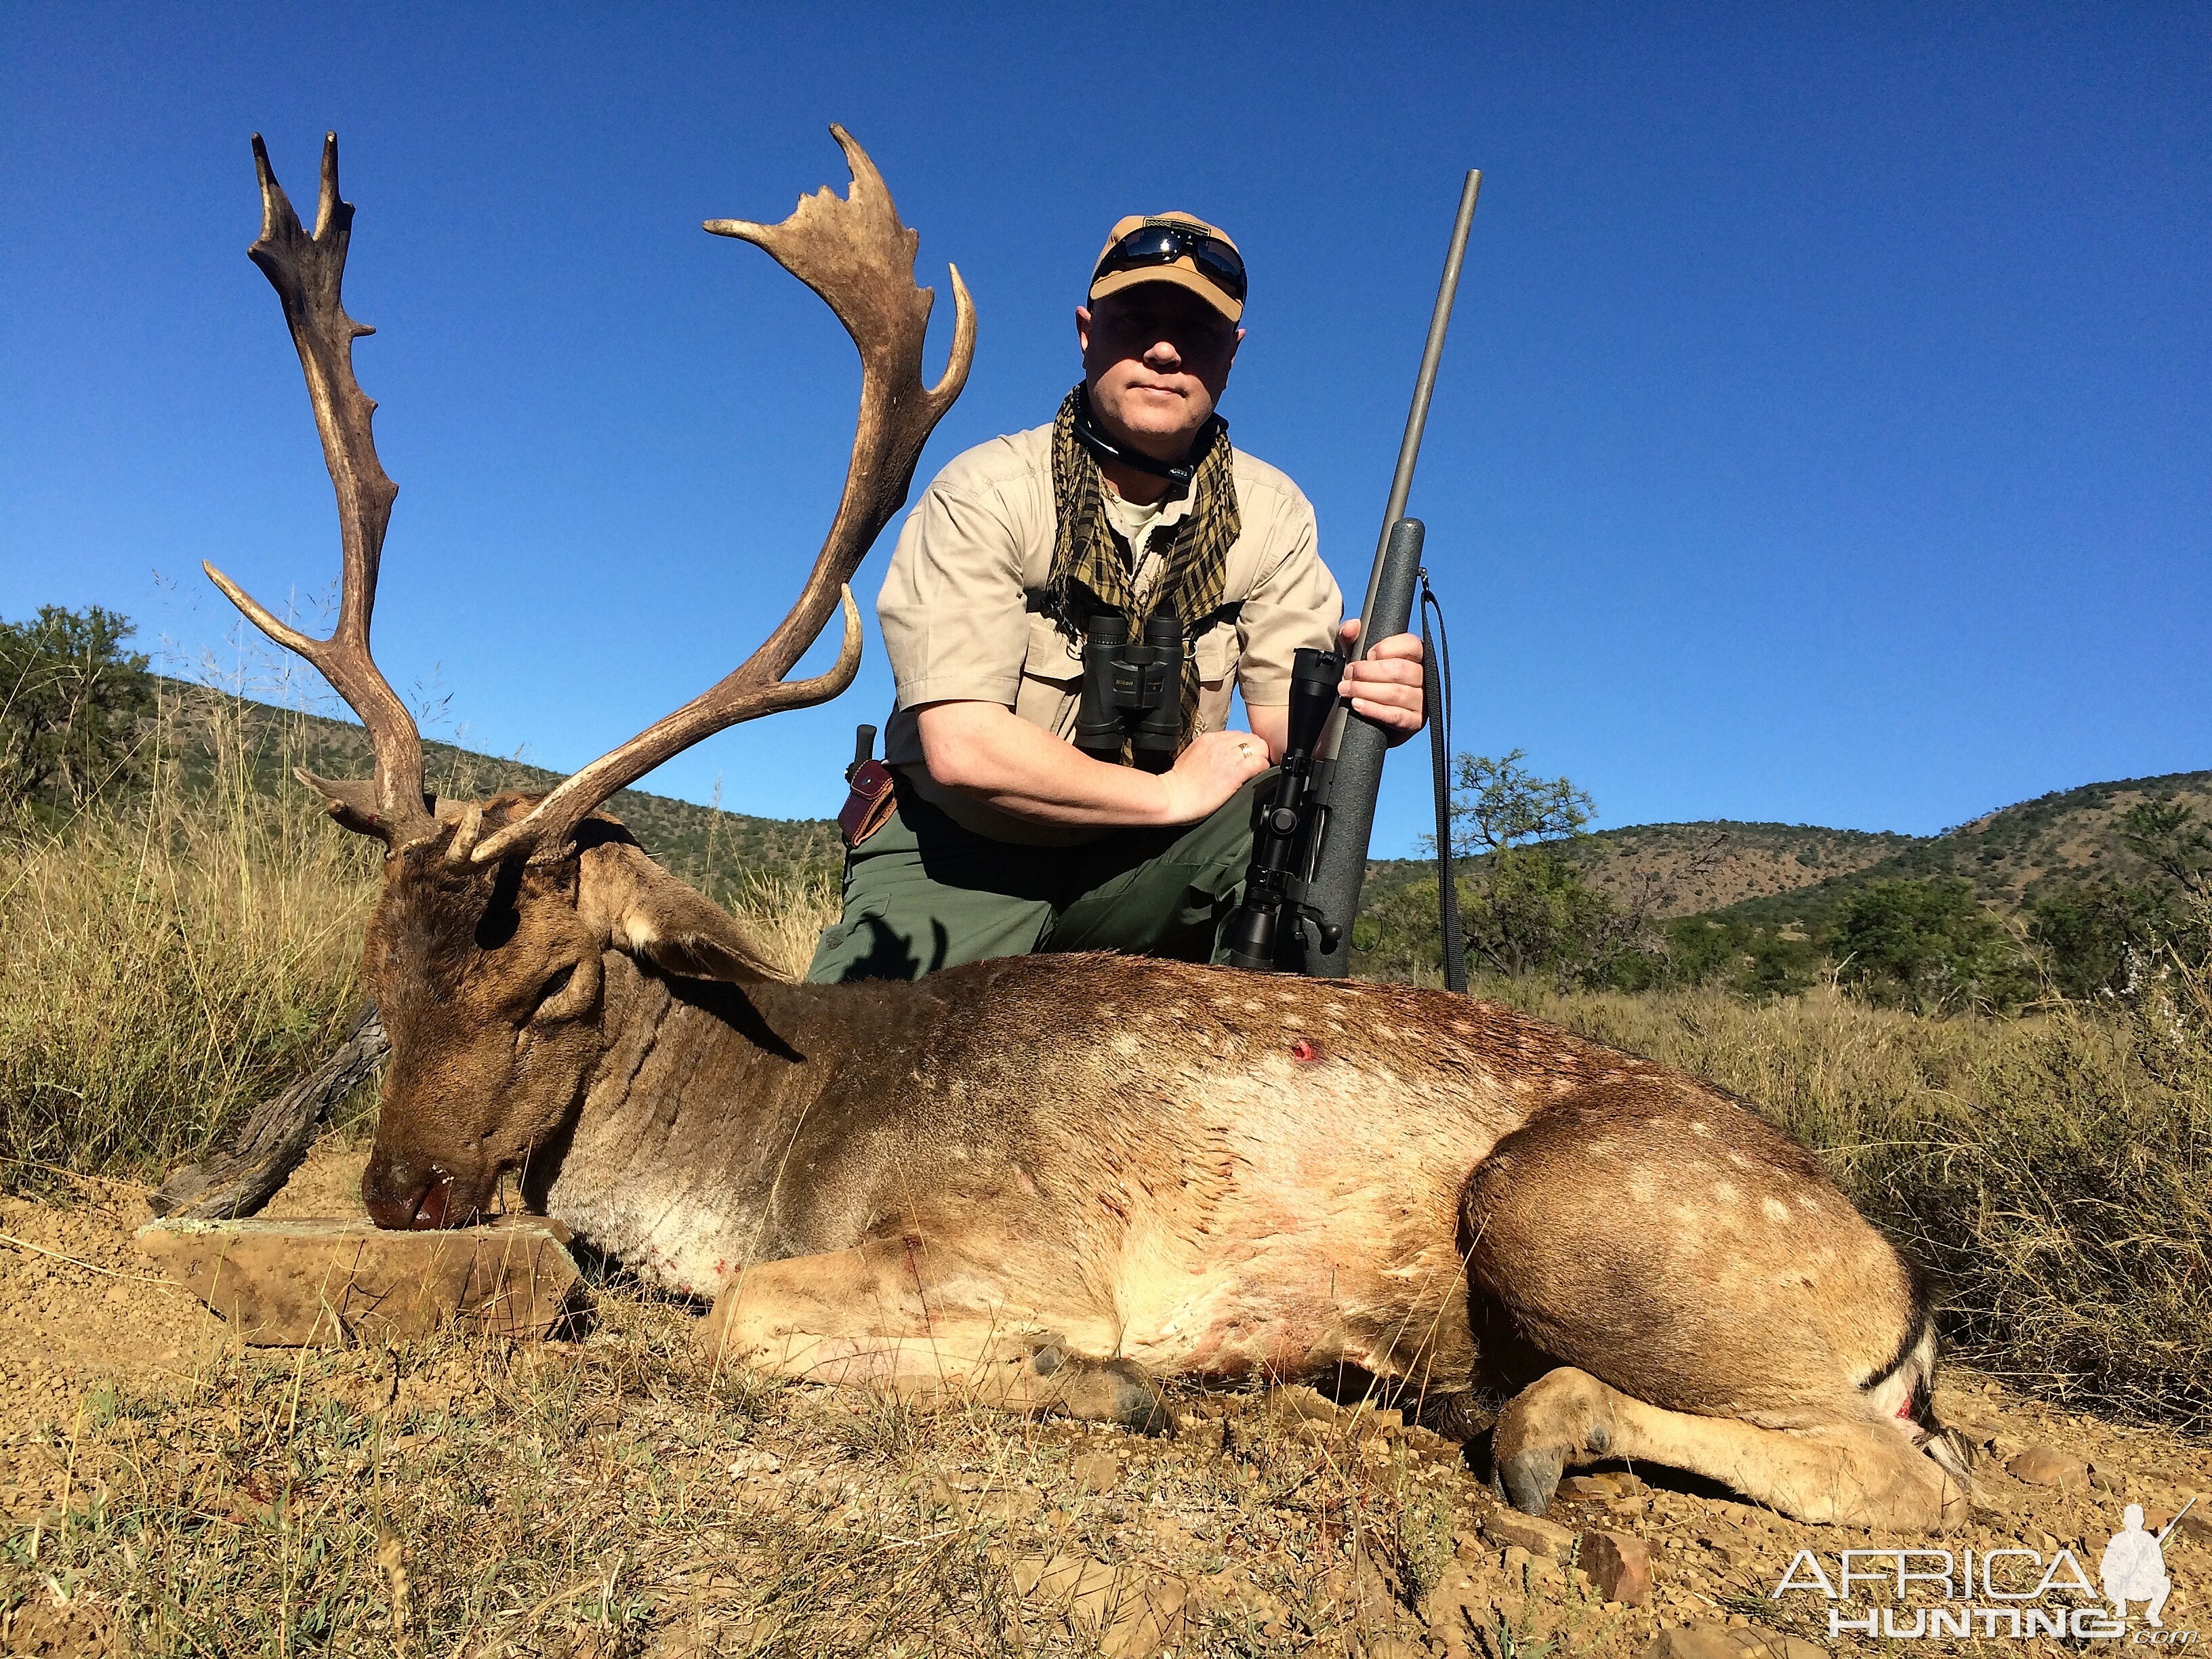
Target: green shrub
(70, 702)
(1929, 946)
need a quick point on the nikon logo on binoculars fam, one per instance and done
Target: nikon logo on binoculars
(1929, 1594)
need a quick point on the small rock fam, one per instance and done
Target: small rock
(2043, 1465)
(1298, 1401)
(1533, 1534)
(1145, 1621)
(1692, 1642)
(1371, 1420)
(1619, 1566)
(1772, 1644)
(1729, 1552)
(1393, 1647)
(2195, 1520)
(1099, 1471)
(1607, 1483)
(1718, 1642)
(323, 1284)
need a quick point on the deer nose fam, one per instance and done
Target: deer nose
(398, 1200)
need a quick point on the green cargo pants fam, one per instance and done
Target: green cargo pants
(923, 893)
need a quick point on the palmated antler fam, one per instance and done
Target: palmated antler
(853, 251)
(307, 273)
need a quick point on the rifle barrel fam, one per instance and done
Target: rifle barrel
(1425, 385)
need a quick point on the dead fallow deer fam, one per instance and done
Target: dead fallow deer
(1052, 1179)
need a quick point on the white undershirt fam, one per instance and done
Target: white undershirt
(1135, 525)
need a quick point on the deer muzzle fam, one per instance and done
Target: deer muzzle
(399, 1205)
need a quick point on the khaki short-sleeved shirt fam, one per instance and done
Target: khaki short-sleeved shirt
(957, 629)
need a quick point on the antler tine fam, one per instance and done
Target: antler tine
(853, 251)
(308, 274)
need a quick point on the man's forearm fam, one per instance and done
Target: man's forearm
(985, 751)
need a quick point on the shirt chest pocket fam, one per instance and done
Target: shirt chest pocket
(1217, 654)
(1052, 656)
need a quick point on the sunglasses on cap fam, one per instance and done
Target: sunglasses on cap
(1163, 244)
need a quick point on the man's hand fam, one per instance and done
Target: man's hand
(1385, 685)
(1215, 767)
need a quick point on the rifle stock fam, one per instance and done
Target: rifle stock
(1356, 777)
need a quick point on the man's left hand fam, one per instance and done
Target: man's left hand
(1385, 685)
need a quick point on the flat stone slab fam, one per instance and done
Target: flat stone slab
(322, 1284)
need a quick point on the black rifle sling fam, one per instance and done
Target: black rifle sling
(1436, 690)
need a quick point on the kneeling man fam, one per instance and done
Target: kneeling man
(994, 834)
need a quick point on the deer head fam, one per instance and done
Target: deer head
(487, 949)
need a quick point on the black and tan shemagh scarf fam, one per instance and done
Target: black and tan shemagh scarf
(1089, 571)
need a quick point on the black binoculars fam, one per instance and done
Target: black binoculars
(1131, 693)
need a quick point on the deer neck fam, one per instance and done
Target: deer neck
(673, 1164)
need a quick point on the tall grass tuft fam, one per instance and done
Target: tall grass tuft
(2055, 1171)
(169, 957)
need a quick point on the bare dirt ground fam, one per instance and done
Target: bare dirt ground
(164, 1491)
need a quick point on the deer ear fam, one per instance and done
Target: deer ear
(353, 803)
(650, 914)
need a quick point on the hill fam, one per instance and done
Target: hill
(1688, 869)
(705, 846)
(1782, 873)
(1773, 874)
(2013, 856)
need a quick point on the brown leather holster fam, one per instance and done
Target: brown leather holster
(869, 807)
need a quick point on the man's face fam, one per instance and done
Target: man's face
(1156, 358)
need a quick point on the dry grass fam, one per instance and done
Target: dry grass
(786, 913)
(166, 961)
(461, 1496)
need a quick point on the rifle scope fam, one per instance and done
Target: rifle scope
(1287, 826)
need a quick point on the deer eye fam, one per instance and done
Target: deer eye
(563, 995)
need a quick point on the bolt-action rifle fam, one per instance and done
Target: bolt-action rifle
(1310, 830)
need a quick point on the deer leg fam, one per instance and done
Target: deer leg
(884, 1314)
(1848, 1472)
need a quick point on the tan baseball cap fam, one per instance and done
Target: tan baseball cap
(1183, 271)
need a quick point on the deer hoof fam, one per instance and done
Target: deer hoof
(1529, 1480)
(1138, 1405)
(1117, 1391)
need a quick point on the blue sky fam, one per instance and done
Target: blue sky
(1825, 433)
